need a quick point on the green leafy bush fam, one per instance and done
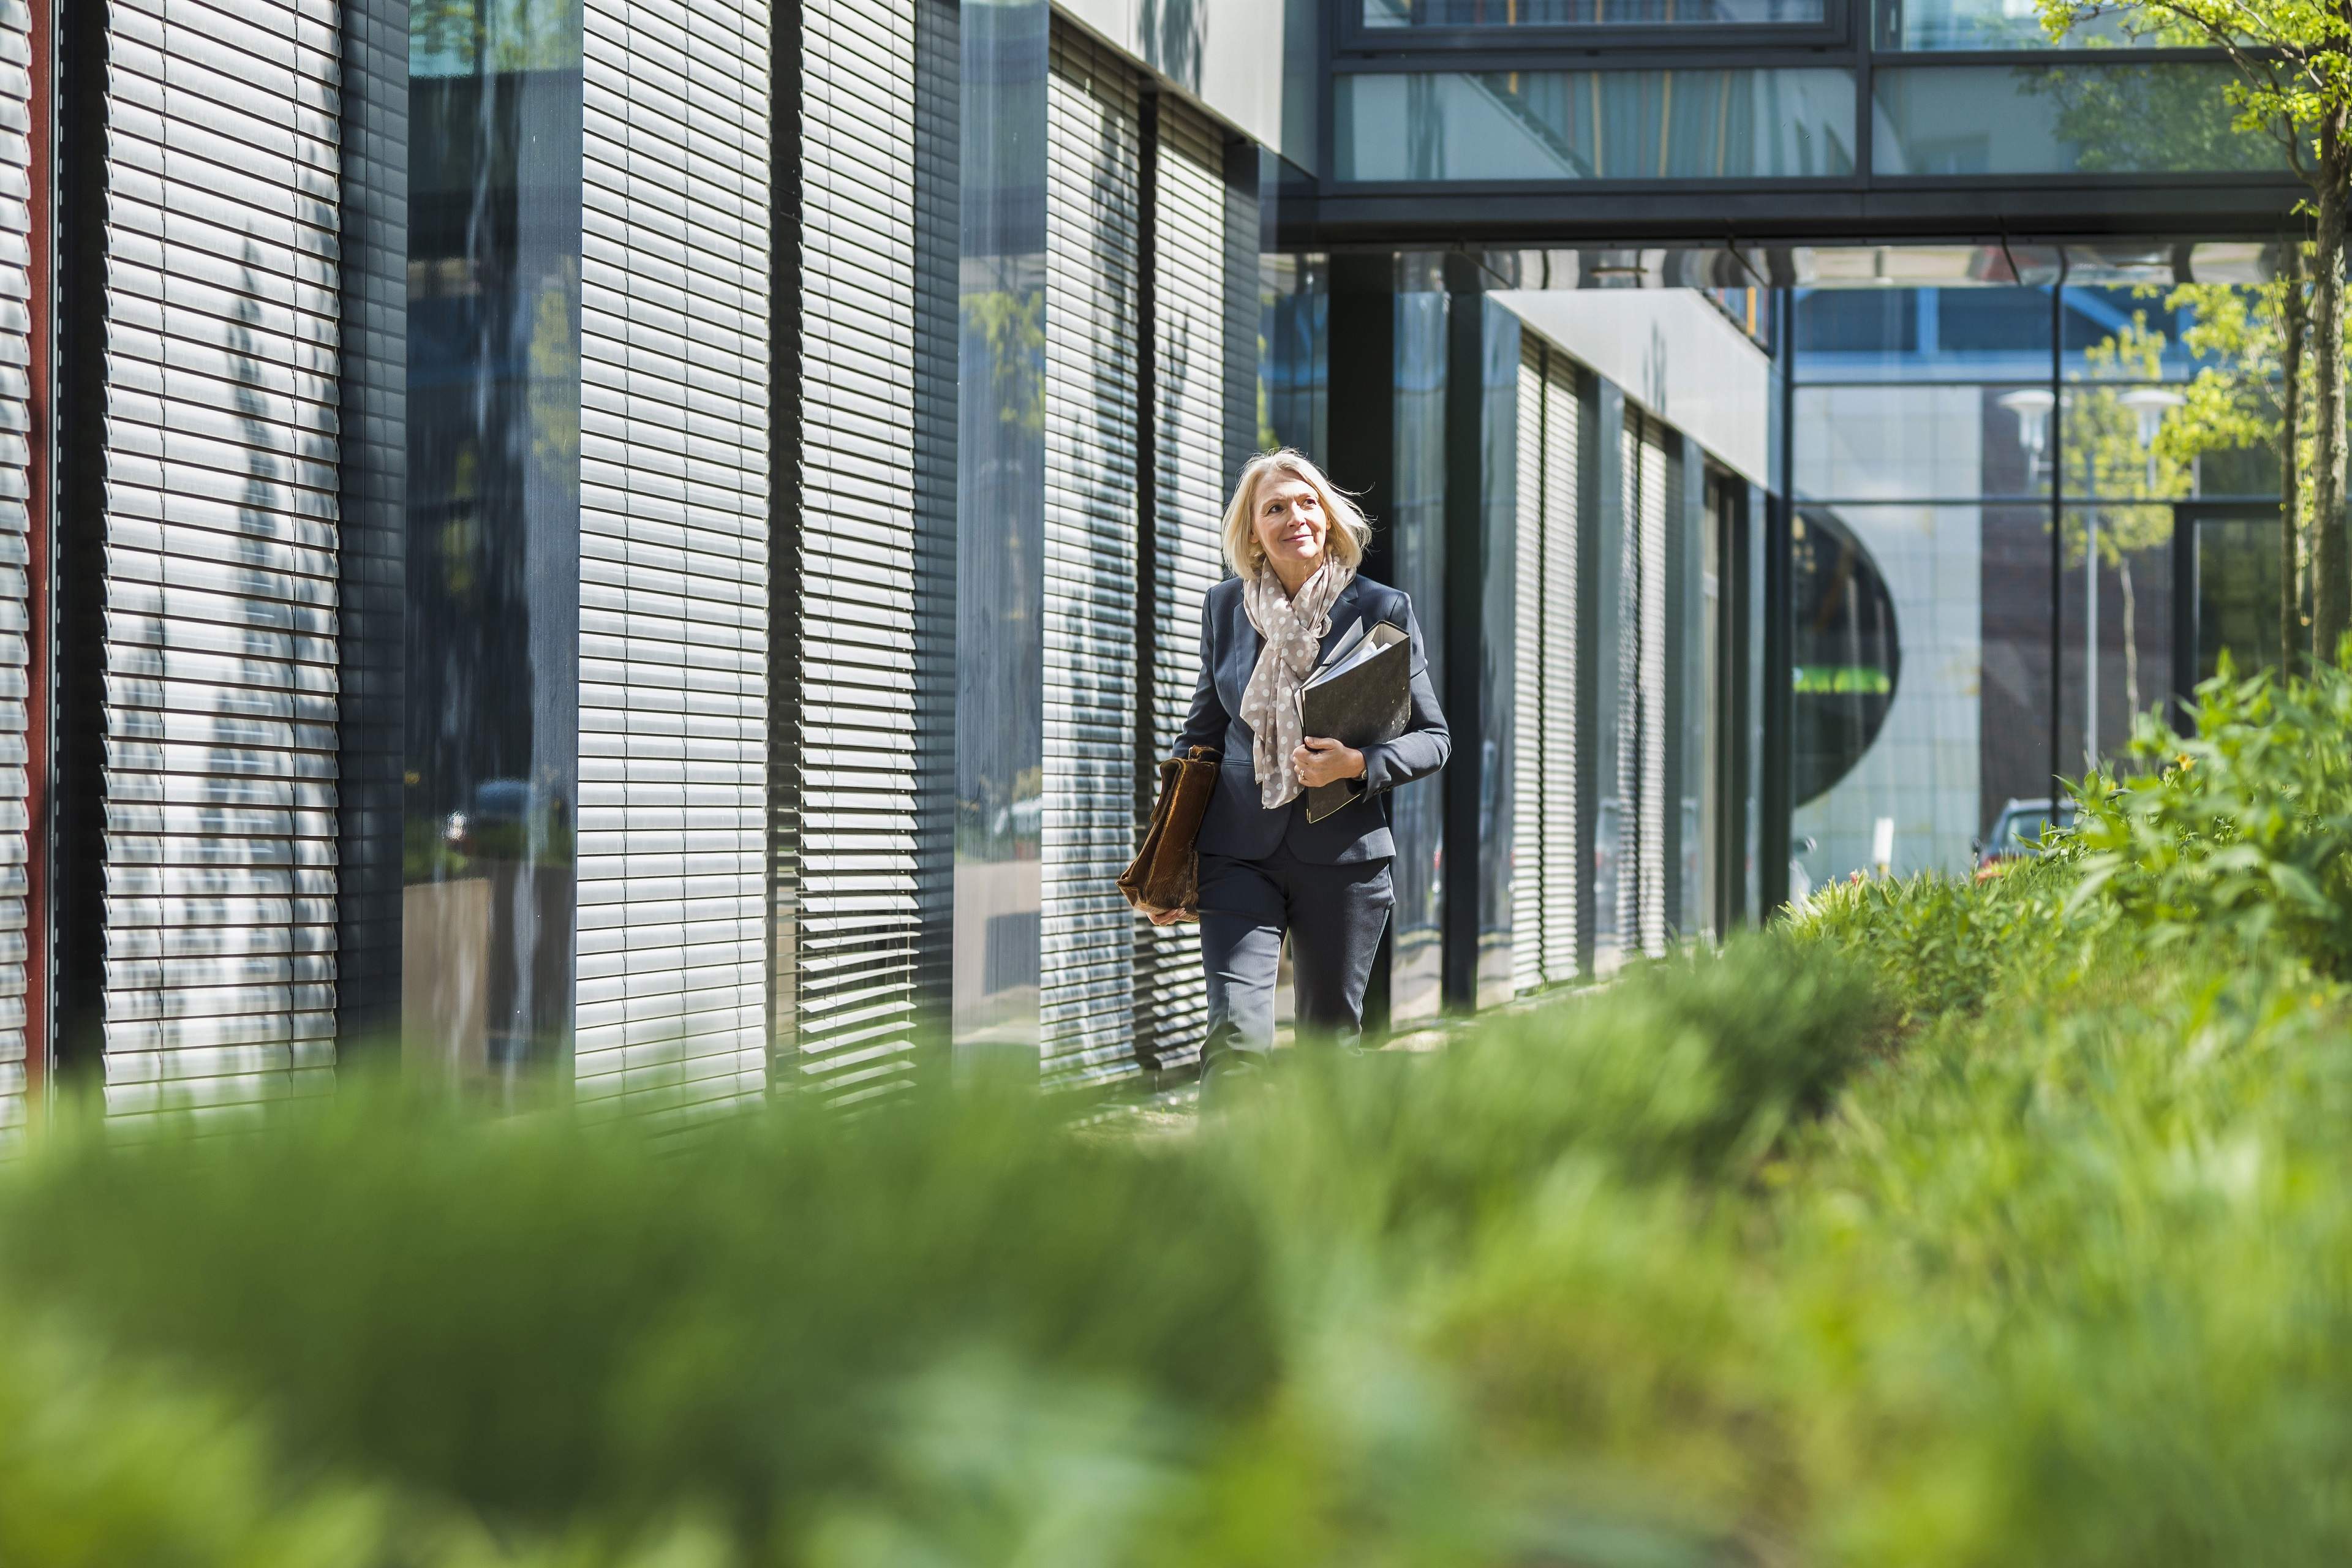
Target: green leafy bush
(2241, 833)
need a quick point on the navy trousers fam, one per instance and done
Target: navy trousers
(1334, 916)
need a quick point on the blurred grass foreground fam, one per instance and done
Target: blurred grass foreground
(1999, 1222)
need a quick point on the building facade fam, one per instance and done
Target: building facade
(649, 548)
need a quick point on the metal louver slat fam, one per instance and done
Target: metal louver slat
(221, 556)
(1631, 825)
(1089, 830)
(1563, 870)
(874, 472)
(1655, 708)
(1190, 422)
(1529, 916)
(670, 990)
(15, 606)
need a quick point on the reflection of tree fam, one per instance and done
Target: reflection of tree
(464, 36)
(2248, 394)
(555, 370)
(2290, 82)
(2145, 118)
(2106, 459)
(1012, 325)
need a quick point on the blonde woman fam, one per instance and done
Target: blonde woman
(1294, 542)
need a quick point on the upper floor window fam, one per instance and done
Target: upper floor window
(1612, 14)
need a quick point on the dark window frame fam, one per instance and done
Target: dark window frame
(1837, 27)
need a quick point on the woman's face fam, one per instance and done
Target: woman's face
(1291, 526)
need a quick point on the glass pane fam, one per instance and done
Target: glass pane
(2237, 593)
(2115, 627)
(2111, 447)
(1963, 334)
(493, 434)
(1588, 13)
(1417, 521)
(2060, 119)
(1293, 354)
(1922, 680)
(1920, 443)
(2014, 708)
(1596, 125)
(1983, 24)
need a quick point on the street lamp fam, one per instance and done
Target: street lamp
(2150, 403)
(2031, 405)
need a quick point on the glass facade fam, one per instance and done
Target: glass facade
(1930, 427)
(1688, 124)
(815, 434)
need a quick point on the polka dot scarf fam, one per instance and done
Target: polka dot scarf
(1294, 630)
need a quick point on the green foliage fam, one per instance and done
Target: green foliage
(2293, 57)
(1954, 1222)
(1940, 946)
(2242, 834)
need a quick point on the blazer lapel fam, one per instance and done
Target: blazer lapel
(1342, 618)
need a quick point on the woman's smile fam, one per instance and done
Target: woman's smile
(1291, 528)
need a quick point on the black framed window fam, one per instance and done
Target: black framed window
(1473, 23)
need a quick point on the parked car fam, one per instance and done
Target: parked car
(2016, 833)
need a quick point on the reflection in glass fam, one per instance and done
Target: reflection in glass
(1589, 13)
(1294, 392)
(1911, 443)
(1847, 657)
(2013, 590)
(1984, 25)
(1950, 335)
(1001, 512)
(2236, 596)
(1595, 125)
(2114, 626)
(2103, 118)
(494, 521)
(1498, 644)
(1888, 672)
(1416, 524)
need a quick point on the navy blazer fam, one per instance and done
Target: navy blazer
(1237, 826)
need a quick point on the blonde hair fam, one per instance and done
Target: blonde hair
(1348, 533)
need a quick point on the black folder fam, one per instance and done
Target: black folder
(1360, 696)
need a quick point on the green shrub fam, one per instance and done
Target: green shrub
(537, 1319)
(2240, 834)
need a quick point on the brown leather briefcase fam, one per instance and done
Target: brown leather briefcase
(1166, 874)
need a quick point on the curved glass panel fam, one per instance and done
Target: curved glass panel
(1595, 125)
(1847, 656)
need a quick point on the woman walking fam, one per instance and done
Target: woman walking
(1295, 543)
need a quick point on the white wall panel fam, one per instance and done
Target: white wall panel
(671, 980)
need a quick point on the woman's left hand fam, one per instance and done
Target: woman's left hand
(1321, 762)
